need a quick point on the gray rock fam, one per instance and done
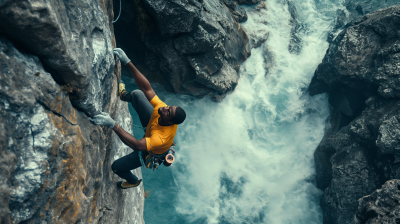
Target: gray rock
(173, 16)
(189, 42)
(356, 9)
(7, 164)
(382, 206)
(362, 57)
(355, 156)
(248, 2)
(71, 38)
(353, 176)
(360, 149)
(238, 13)
(197, 42)
(57, 165)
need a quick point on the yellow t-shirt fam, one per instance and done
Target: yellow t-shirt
(159, 138)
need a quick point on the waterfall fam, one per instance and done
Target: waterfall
(249, 158)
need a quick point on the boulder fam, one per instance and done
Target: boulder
(363, 57)
(190, 47)
(356, 156)
(356, 9)
(382, 206)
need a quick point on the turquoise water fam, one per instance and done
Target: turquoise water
(249, 158)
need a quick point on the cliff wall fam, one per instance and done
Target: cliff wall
(56, 70)
(360, 149)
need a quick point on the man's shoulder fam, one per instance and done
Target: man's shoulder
(157, 102)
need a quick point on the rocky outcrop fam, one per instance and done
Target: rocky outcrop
(382, 206)
(356, 10)
(57, 69)
(360, 149)
(191, 47)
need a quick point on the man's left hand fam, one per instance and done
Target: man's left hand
(103, 119)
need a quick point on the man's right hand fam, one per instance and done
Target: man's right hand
(121, 55)
(103, 119)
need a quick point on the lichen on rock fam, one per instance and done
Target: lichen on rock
(57, 69)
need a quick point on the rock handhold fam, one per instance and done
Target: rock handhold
(197, 42)
(382, 206)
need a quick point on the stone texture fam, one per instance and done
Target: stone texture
(55, 165)
(248, 2)
(356, 9)
(360, 149)
(183, 44)
(363, 57)
(382, 206)
(72, 39)
(238, 13)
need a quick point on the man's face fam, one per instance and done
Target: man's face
(167, 113)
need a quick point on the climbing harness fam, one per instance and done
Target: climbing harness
(120, 5)
(152, 160)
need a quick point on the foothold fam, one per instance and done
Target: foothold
(37, 74)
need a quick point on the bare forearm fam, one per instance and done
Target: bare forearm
(141, 81)
(128, 139)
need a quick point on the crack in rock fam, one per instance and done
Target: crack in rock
(54, 112)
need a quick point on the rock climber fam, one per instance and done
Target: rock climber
(161, 122)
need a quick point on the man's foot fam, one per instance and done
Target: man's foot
(126, 185)
(121, 88)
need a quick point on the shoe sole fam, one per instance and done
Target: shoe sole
(119, 184)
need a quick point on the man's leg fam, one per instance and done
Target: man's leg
(140, 104)
(123, 166)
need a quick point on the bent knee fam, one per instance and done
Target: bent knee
(114, 168)
(137, 93)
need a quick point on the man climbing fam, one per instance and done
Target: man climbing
(161, 122)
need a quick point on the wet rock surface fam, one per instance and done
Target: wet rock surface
(382, 206)
(360, 149)
(55, 165)
(73, 41)
(356, 9)
(190, 47)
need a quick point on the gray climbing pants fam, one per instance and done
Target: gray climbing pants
(123, 166)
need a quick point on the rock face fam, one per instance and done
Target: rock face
(382, 206)
(56, 69)
(191, 47)
(356, 9)
(360, 149)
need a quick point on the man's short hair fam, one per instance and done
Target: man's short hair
(180, 115)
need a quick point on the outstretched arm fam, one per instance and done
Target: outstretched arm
(141, 81)
(105, 120)
(129, 140)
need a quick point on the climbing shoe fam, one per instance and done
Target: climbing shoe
(126, 185)
(121, 88)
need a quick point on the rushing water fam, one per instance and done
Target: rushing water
(249, 158)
